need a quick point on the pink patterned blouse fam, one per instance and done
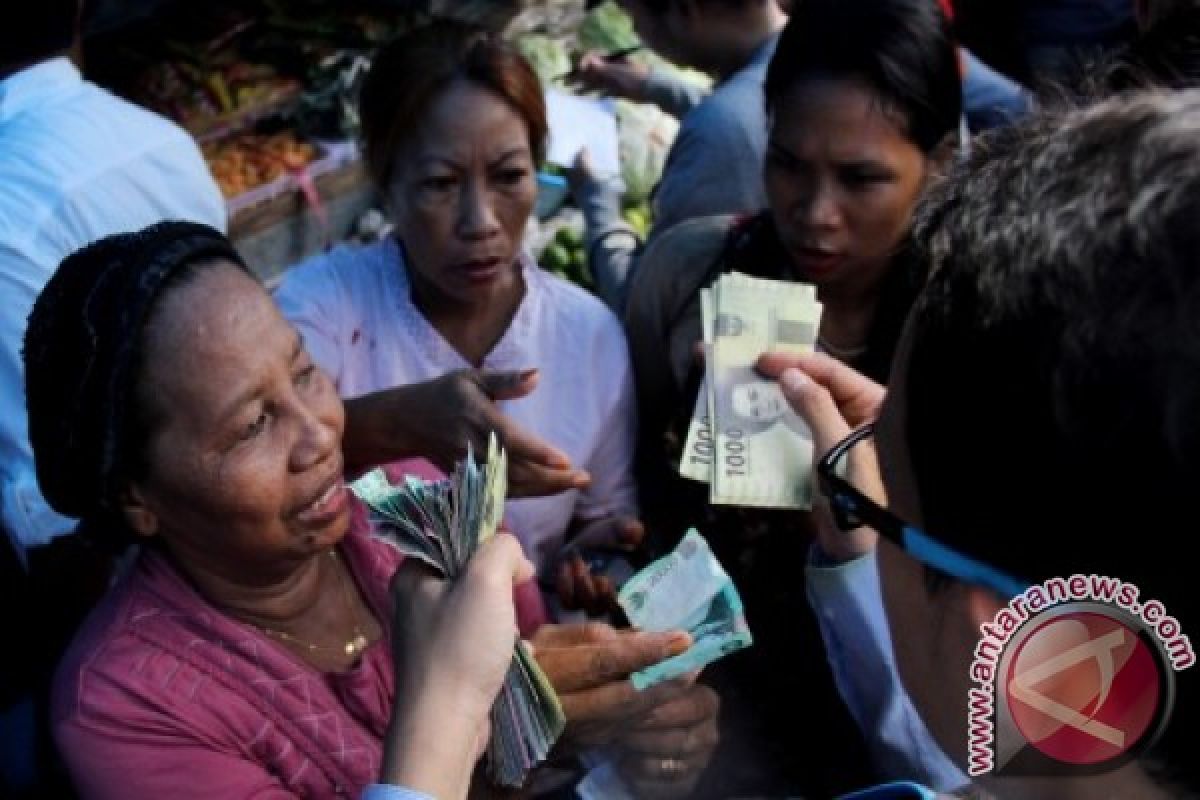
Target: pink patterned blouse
(162, 695)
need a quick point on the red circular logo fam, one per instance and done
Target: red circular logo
(1084, 688)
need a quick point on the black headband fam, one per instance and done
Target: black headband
(81, 350)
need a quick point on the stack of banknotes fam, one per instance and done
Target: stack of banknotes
(744, 440)
(443, 524)
(686, 590)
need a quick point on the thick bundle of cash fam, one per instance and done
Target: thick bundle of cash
(686, 590)
(443, 524)
(744, 440)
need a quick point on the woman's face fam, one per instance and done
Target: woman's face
(465, 186)
(244, 454)
(842, 180)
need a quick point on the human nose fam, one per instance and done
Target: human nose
(316, 441)
(477, 217)
(821, 210)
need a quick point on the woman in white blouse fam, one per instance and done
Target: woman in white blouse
(448, 329)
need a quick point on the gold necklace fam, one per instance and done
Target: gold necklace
(353, 646)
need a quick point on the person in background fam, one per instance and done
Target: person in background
(712, 167)
(865, 105)
(1094, 325)
(441, 333)
(76, 164)
(1060, 37)
(990, 98)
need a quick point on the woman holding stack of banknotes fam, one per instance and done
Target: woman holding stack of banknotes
(865, 103)
(260, 644)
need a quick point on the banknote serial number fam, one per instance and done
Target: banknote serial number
(735, 452)
(702, 452)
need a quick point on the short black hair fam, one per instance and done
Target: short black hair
(41, 30)
(903, 50)
(1053, 379)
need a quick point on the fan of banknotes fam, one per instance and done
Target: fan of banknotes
(744, 440)
(443, 524)
(686, 590)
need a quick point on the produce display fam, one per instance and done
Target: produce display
(257, 82)
(566, 254)
(548, 56)
(249, 160)
(606, 28)
(566, 257)
(204, 99)
(645, 132)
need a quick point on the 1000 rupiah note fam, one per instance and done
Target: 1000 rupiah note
(697, 460)
(745, 440)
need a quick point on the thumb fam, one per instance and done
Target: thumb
(501, 557)
(610, 533)
(815, 405)
(508, 385)
(645, 649)
(521, 445)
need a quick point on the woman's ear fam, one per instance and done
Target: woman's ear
(141, 519)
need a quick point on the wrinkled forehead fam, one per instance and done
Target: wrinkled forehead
(466, 121)
(209, 337)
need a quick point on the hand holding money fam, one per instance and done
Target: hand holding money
(745, 440)
(589, 665)
(834, 399)
(453, 647)
(442, 525)
(689, 590)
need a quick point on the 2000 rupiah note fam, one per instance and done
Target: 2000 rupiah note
(744, 439)
(686, 590)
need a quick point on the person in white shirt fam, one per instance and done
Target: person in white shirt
(76, 164)
(452, 296)
(434, 336)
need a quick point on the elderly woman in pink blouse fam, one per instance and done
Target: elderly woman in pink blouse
(449, 329)
(253, 647)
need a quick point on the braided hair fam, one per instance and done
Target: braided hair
(83, 361)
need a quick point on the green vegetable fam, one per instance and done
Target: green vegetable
(556, 257)
(607, 28)
(646, 135)
(547, 56)
(569, 237)
(638, 219)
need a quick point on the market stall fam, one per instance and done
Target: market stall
(268, 87)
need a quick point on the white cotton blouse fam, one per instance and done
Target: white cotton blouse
(353, 306)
